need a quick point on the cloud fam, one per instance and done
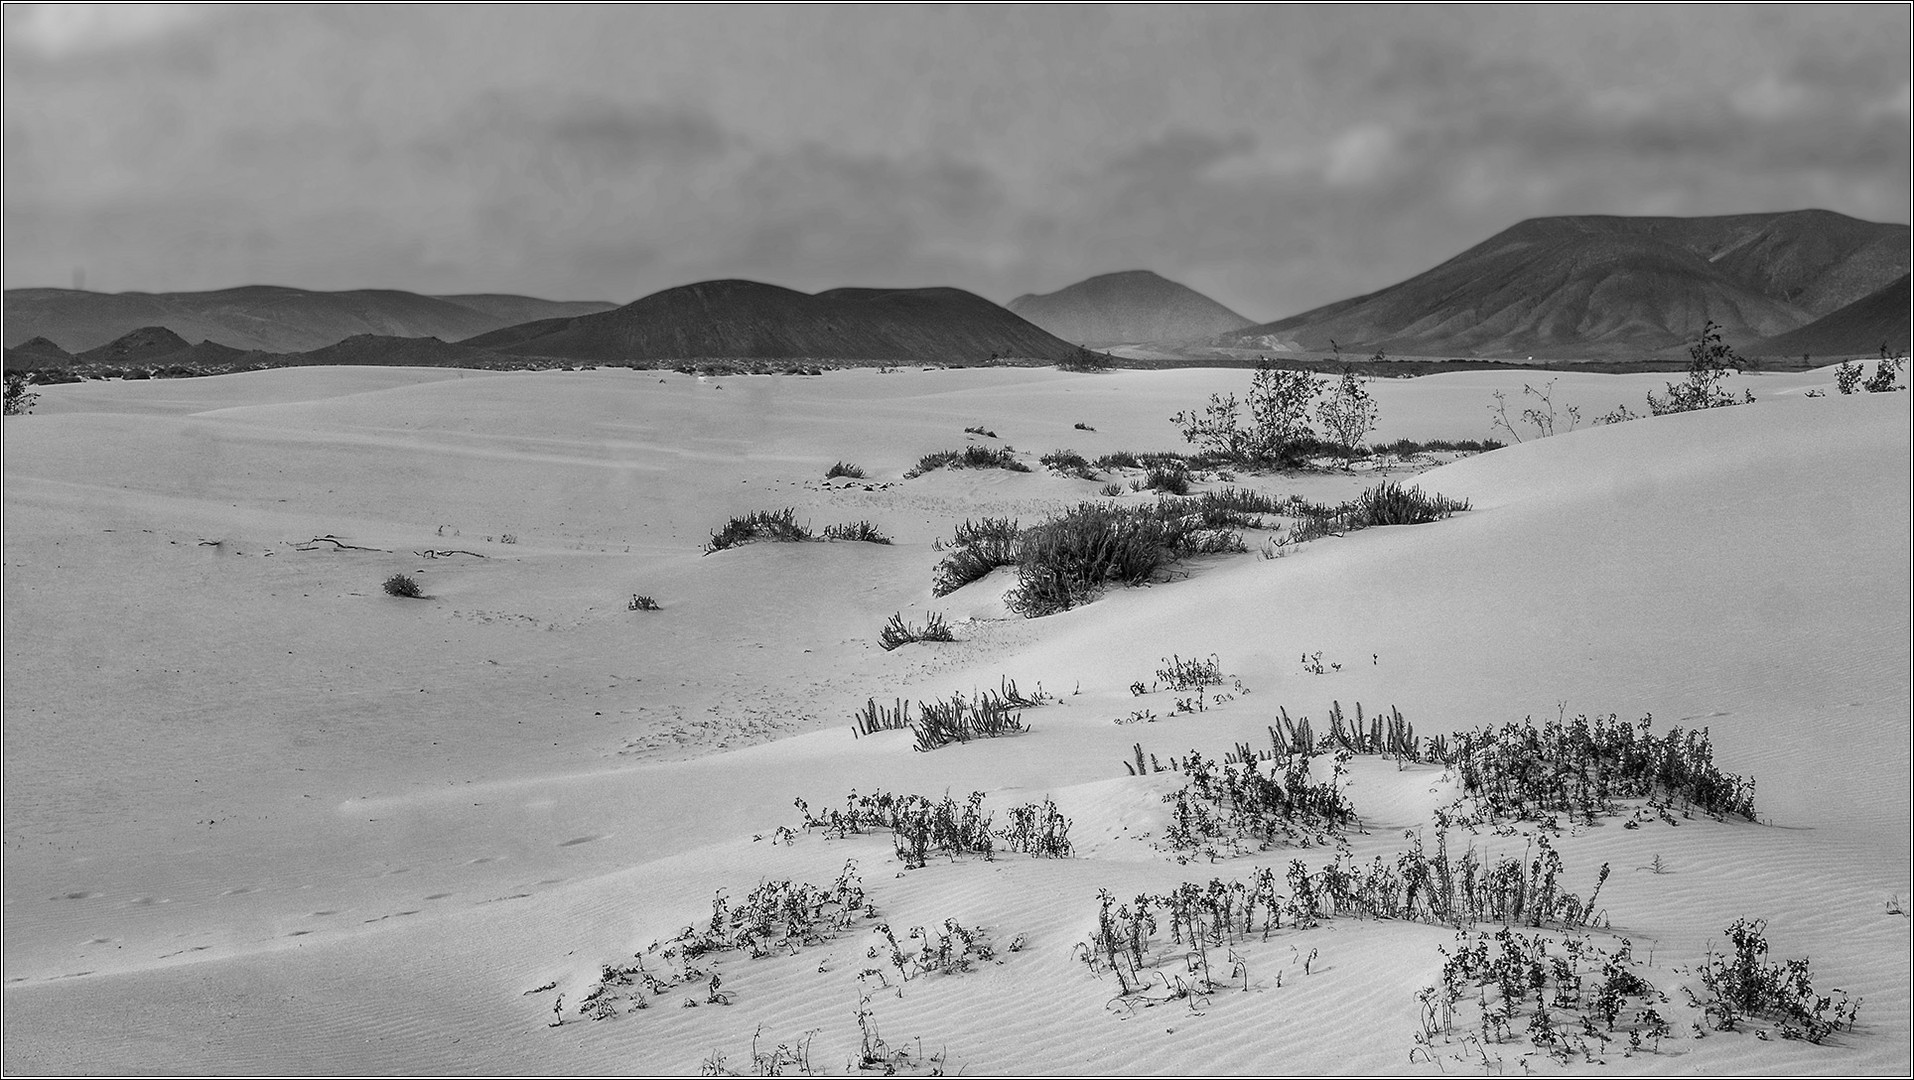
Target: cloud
(63, 30)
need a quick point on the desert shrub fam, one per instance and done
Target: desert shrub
(860, 531)
(1041, 831)
(1067, 560)
(1886, 374)
(1574, 994)
(974, 551)
(1388, 503)
(1081, 426)
(19, 400)
(1847, 377)
(980, 432)
(1541, 415)
(1069, 463)
(1112, 490)
(845, 469)
(1172, 481)
(1278, 404)
(402, 585)
(898, 633)
(642, 603)
(1348, 413)
(1406, 447)
(1743, 987)
(760, 525)
(1581, 766)
(1121, 459)
(1710, 361)
(970, 457)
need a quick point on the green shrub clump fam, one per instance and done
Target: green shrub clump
(975, 551)
(844, 469)
(401, 585)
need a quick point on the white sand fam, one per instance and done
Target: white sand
(261, 817)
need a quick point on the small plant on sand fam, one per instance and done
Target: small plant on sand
(970, 457)
(759, 526)
(19, 400)
(844, 469)
(1348, 413)
(1541, 415)
(1388, 503)
(973, 552)
(860, 531)
(402, 585)
(1111, 490)
(1081, 426)
(1278, 403)
(897, 632)
(1068, 463)
(642, 603)
(980, 432)
(1741, 987)
(1710, 361)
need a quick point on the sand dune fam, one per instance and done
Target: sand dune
(261, 817)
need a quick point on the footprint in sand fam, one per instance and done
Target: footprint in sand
(576, 840)
(74, 896)
(299, 933)
(438, 896)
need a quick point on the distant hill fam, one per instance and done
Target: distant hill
(1128, 307)
(750, 320)
(37, 353)
(1607, 286)
(271, 318)
(143, 346)
(1859, 329)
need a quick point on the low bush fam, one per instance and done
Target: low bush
(1069, 463)
(898, 633)
(1122, 459)
(1743, 987)
(844, 469)
(970, 457)
(19, 400)
(1081, 426)
(402, 585)
(974, 551)
(1111, 490)
(860, 531)
(779, 526)
(1408, 447)
(1710, 361)
(1170, 480)
(1388, 503)
(979, 431)
(642, 603)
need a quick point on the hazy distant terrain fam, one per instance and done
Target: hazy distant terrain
(1130, 306)
(1610, 286)
(1879, 318)
(269, 318)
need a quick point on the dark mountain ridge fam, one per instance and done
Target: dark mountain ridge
(734, 319)
(1606, 286)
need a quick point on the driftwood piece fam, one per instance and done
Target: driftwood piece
(338, 544)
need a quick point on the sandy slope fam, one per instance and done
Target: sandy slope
(261, 817)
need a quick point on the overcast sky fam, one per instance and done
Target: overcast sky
(1273, 158)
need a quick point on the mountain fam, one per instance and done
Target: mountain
(750, 320)
(1127, 307)
(143, 346)
(267, 317)
(37, 353)
(1859, 329)
(1604, 286)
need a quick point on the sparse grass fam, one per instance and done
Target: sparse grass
(1169, 480)
(897, 632)
(1070, 558)
(1388, 503)
(982, 715)
(1112, 490)
(779, 526)
(860, 531)
(921, 827)
(844, 469)
(970, 457)
(1122, 459)
(1403, 448)
(403, 585)
(974, 552)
